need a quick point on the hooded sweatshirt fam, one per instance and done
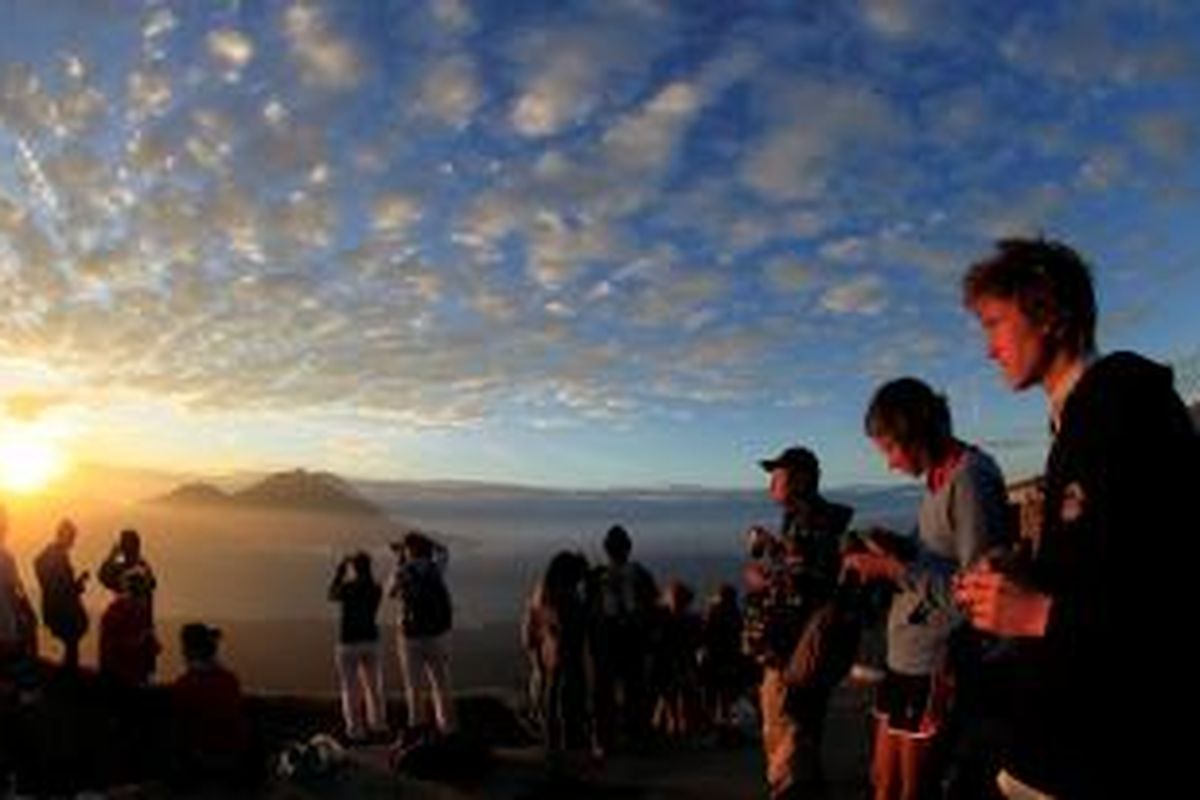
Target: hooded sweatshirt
(1118, 517)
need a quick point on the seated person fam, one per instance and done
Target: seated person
(212, 737)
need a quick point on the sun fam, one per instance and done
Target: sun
(28, 461)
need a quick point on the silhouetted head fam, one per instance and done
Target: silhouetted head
(199, 641)
(417, 545)
(617, 544)
(66, 533)
(130, 544)
(678, 596)
(361, 561)
(565, 571)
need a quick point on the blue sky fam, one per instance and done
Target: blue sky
(571, 244)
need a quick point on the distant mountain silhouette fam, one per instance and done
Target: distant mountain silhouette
(194, 494)
(300, 489)
(295, 490)
(1195, 409)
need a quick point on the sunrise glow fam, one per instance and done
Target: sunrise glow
(29, 461)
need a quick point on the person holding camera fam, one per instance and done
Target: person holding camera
(359, 665)
(792, 575)
(126, 557)
(1100, 599)
(963, 515)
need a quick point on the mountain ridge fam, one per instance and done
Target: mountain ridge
(296, 490)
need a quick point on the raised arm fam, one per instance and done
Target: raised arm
(338, 584)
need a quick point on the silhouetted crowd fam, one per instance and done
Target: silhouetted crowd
(64, 728)
(616, 662)
(1017, 667)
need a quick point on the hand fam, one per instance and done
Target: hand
(873, 565)
(995, 603)
(758, 541)
(871, 542)
(754, 576)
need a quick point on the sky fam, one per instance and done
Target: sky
(566, 244)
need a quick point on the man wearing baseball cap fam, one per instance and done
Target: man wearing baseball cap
(782, 596)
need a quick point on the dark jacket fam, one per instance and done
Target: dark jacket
(62, 606)
(359, 599)
(128, 647)
(800, 581)
(817, 530)
(1117, 520)
(426, 609)
(623, 596)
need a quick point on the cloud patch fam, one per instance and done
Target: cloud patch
(31, 406)
(1169, 136)
(454, 15)
(326, 59)
(813, 122)
(231, 49)
(866, 295)
(787, 275)
(451, 91)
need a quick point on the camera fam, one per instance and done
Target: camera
(761, 543)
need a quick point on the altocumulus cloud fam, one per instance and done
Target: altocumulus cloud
(437, 212)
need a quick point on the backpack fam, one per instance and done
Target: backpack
(427, 608)
(828, 646)
(626, 593)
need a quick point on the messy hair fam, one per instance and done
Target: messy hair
(1050, 282)
(911, 413)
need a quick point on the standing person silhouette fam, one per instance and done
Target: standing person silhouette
(794, 574)
(125, 557)
(426, 617)
(359, 661)
(129, 647)
(18, 622)
(723, 667)
(62, 592)
(554, 636)
(622, 597)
